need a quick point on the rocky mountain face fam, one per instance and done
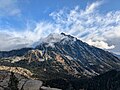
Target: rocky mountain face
(77, 56)
(61, 61)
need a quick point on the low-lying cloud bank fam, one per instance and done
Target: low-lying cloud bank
(89, 25)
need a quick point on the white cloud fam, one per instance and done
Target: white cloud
(11, 39)
(9, 8)
(90, 8)
(100, 44)
(89, 25)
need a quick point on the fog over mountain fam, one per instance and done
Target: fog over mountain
(89, 24)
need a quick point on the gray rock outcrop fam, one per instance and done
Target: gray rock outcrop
(14, 81)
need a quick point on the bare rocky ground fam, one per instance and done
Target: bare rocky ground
(13, 81)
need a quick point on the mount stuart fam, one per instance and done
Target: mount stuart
(57, 62)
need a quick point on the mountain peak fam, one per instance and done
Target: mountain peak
(92, 60)
(64, 34)
(53, 38)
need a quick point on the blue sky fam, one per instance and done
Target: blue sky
(39, 10)
(24, 22)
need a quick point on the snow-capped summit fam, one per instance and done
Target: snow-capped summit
(53, 38)
(50, 39)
